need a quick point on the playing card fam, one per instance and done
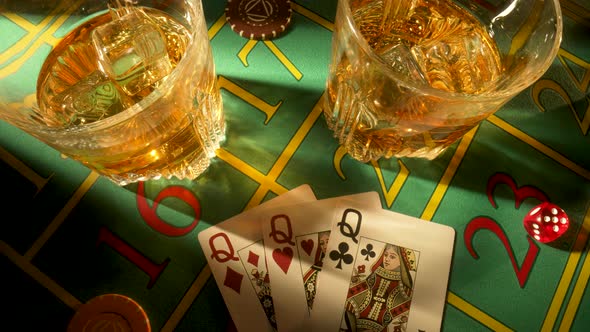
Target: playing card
(384, 271)
(295, 238)
(235, 254)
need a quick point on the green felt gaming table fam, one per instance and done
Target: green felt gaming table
(69, 235)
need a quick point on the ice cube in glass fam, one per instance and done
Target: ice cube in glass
(93, 98)
(132, 51)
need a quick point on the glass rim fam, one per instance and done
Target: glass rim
(502, 95)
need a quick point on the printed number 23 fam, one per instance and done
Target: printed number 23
(520, 194)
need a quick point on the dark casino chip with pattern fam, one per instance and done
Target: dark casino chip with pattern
(258, 19)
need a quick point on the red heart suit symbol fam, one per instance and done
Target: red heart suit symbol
(283, 258)
(307, 246)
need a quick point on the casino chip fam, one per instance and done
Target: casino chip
(110, 312)
(258, 19)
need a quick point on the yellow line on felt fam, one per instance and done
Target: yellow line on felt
(576, 12)
(428, 213)
(448, 175)
(337, 161)
(296, 140)
(243, 53)
(581, 84)
(539, 146)
(312, 16)
(567, 275)
(39, 276)
(268, 109)
(15, 65)
(473, 312)
(286, 155)
(216, 27)
(526, 29)
(283, 59)
(248, 170)
(187, 300)
(21, 22)
(32, 30)
(576, 298)
(24, 170)
(391, 193)
(46, 36)
(61, 216)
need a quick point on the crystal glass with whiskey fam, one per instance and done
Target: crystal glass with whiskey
(408, 78)
(130, 90)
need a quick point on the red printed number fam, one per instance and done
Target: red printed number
(152, 269)
(478, 223)
(523, 271)
(151, 217)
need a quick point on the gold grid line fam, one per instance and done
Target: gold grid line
(187, 300)
(431, 207)
(475, 313)
(448, 175)
(558, 157)
(45, 37)
(566, 277)
(576, 298)
(216, 27)
(312, 16)
(270, 179)
(61, 216)
(25, 265)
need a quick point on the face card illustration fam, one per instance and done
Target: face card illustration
(311, 250)
(381, 287)
(235, 254)
(384, 271)
(292, 238)
(254, 262)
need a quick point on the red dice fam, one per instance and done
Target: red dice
(546, 222)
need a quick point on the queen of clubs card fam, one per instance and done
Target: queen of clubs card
(381, 301)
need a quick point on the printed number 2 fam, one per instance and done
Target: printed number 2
(582, 85)
(478, 223)
(523, 271)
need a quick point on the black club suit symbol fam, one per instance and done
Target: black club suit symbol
(340, 255)
(368, 252)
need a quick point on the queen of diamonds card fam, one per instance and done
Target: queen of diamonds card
(252, 257)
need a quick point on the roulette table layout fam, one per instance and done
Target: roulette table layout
(70, 236)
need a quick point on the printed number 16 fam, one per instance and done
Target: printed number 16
(478, 223)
